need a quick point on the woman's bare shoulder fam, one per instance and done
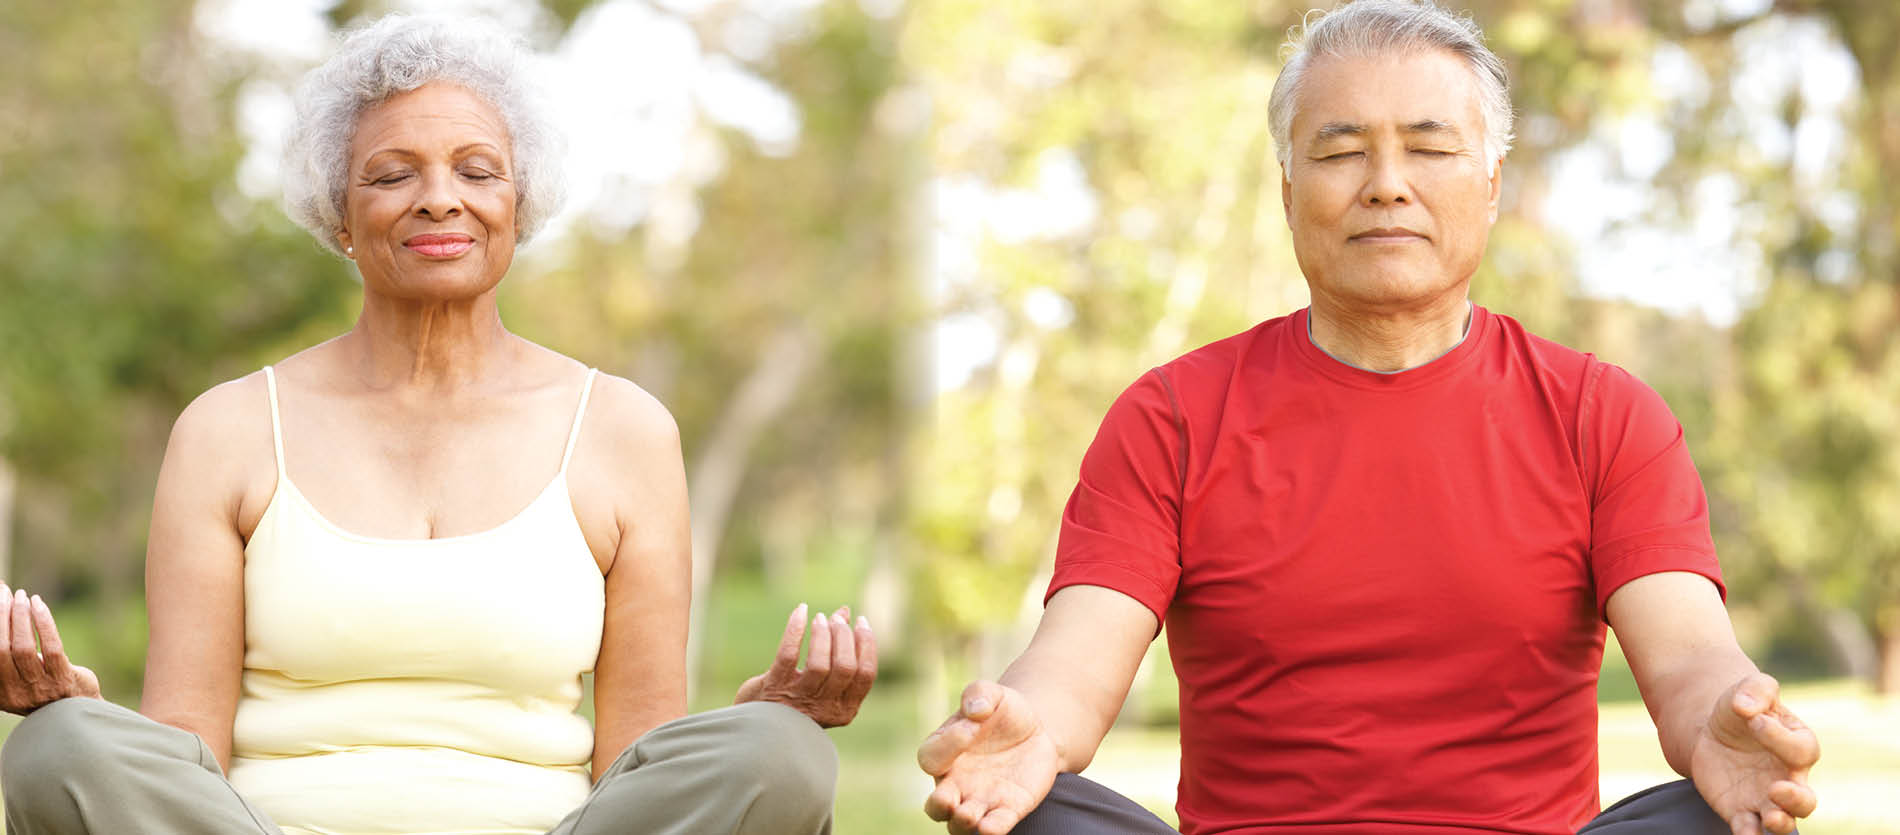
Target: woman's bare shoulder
(222, 442)
(632, 421)
(228, 412)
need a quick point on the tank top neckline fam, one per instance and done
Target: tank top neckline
(556, 485)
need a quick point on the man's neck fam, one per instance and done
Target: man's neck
(1389, 342)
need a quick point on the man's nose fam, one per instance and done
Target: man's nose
(1386, 183)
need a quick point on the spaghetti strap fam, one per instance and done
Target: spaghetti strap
(579, 412)
(276, 425)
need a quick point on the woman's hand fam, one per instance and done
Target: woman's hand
(839, 669)
(31, 677)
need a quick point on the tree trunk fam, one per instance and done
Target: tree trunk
(1888, 637)
(7, 485)
(719, 470)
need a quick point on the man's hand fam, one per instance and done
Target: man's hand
(1751, 760)
(993, 762)
(840, 666)
(30, 677)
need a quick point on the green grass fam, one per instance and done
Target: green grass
(881, 792)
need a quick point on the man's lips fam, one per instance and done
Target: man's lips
(1387, 234)
(439, 246)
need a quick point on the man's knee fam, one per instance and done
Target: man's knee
(1669, 809)
(1077, 804)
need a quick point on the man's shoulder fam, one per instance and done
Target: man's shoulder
(1546, 356)
(1216, 362)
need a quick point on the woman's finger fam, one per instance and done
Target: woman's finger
(860, 685)
(52, 651)
(6, 633)
(785, 661)
(20, 638)
(817, 656)
(844, 658)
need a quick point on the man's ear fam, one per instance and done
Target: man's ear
(1497, 186)
(1286, 198)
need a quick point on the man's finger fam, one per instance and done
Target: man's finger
(942, 801)
(867, 663)
(1776, 821)
(1797, 799)
(1754, 694)
(785, 661)
(980, 698)
(1795, 747)
(998, 822)
(1744, 823)
(968, 813)
(944, 745)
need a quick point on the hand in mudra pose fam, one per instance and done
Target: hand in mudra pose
(33, 676)
(840, 666)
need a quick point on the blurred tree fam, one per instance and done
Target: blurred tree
(137, 275)
(775, 327)
(1804, 448)
(778, 331)
(1108, 161)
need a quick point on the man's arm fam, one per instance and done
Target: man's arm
(996, 757)
(1719, 718)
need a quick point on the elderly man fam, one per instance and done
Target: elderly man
(1385, 532)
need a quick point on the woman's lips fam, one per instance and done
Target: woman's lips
(439, 246)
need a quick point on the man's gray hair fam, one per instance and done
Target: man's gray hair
(1375, 27)
(396, 54)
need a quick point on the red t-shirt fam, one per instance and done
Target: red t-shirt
(1384, 592)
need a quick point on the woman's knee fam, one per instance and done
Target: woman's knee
(51, 743)
(782, 748)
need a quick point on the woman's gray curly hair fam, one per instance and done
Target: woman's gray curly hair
(396, 54)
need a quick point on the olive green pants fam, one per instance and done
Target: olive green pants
(90, 767)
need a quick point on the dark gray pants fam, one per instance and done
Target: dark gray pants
(1079, 806)
(90, 767)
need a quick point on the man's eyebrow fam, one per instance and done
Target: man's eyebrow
(1336, 130)
(1430, 126)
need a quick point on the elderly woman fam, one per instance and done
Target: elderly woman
(379, 570)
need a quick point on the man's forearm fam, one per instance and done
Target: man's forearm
(1075, 713)
(1077, 669)
(1685, 697)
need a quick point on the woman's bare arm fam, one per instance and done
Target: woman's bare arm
(194, 565)
(640, 677)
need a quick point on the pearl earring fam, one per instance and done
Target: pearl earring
(349, 250)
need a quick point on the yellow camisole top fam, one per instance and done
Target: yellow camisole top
(416, 686)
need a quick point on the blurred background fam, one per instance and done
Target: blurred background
(888, 261)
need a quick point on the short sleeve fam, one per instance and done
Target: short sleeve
(1649, 513)
(1121, 528)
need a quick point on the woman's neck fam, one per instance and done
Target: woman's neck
(404, 343)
